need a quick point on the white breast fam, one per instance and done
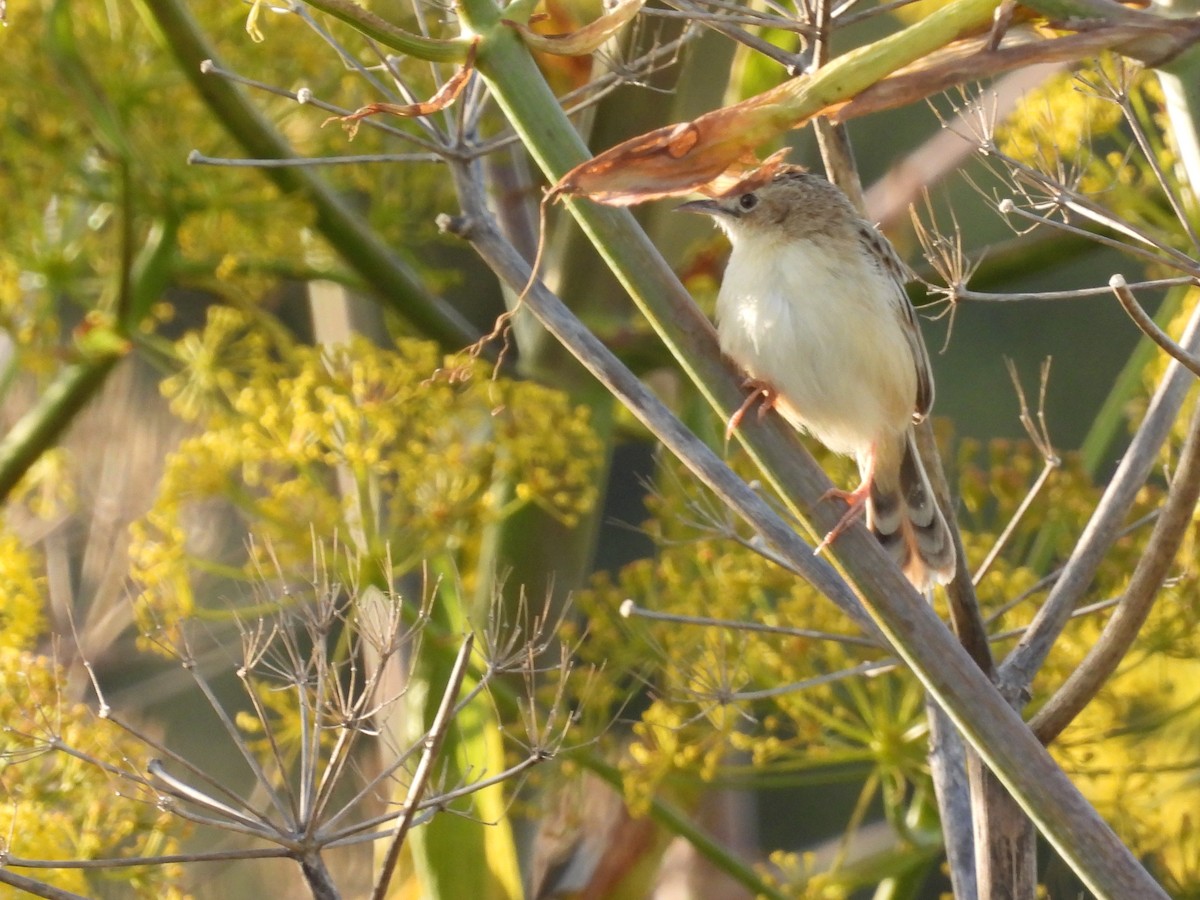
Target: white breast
(824, 332)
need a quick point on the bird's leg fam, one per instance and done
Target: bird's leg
(760, 393)
(856, 500)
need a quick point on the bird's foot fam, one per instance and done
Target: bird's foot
(761, 394)
(856, 500)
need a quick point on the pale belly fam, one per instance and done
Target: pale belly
(827, 337)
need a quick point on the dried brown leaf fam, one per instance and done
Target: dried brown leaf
(586, 39)
(446, 95)
(706, 155)
(971, 60)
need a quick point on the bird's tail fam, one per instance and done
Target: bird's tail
(904, 515)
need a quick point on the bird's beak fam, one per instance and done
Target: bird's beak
(706, 207)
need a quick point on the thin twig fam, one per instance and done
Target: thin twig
(235, 735)
(631, 610)
(844, 18)
(438, 803)
(720, 25)
(433, 744)
(181, 790)
(1080, 612)
(1149, 327)
(872, 667)
(1050, 578)
(176, 758)
(1008, 207)
(163, 859)
(196, 158)
(1041, 440)
(1167, 185)
(1076, 294)
(304, 96)
(349, 60)
(37, 888)
(745, 17)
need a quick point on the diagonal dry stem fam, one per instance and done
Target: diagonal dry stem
(1019, 668)
(1148, 576)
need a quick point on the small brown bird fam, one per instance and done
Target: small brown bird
(813, 308)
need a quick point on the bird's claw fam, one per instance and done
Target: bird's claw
(762, 394)
(856, 500)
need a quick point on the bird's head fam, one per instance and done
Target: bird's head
(794, 205)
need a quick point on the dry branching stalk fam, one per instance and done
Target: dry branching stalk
(313, 711)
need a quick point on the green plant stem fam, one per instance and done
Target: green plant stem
(103, 346)
(39, 428)
(847, 75)
(391, 36)
(1095, 10)
(392, 281)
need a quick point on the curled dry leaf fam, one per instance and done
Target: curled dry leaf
(446, 95)
(972, 59)
(707, 155)
(586, 39)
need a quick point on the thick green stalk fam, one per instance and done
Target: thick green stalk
(98, 348)
(41, 427)
(847, 75)
(981, 714)
(391, 36)
(393, 282)
(472, 744)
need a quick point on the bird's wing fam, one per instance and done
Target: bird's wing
(882, 250)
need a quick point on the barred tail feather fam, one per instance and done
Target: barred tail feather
(903, 514)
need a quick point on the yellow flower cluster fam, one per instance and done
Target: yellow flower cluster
(21, 592)
(1057, 117)
(231, 232)
(395, 451)
(59, 805)
(1071, 126)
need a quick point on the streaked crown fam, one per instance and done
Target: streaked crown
(794, 205)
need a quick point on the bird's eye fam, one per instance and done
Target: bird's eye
(748, 201)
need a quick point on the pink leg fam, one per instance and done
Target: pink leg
(760, 393)
(855, 499)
